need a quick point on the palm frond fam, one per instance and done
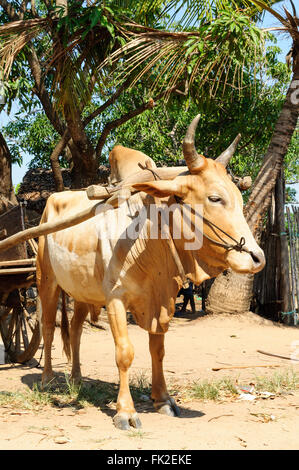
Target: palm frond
(13, 38)
(263, 5)
(169, 53)
(166, 55)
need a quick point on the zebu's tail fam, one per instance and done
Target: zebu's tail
(65, 332)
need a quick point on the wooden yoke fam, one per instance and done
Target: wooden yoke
(164, 173)
(112, 196)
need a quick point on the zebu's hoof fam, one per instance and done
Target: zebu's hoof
(47, 379)
(169, 408)
(135, 421)
(121, 422)
(124, 421)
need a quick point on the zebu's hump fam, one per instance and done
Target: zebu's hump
(67, 202)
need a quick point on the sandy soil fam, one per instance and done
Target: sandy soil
(194, 345)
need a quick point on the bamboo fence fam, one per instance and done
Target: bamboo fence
(292, 213)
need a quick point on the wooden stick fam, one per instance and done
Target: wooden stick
(103, 192)
(245, 367)
(99, 192)
(113, 200)
(50, 227)
(17, 270)
(18, 262)
(33, 245)
(278, 355)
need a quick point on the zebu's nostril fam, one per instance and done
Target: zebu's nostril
(258, 259)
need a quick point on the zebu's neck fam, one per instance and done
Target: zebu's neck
(191, 256)
(142, 270)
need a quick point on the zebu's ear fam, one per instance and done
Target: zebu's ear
(161, 188)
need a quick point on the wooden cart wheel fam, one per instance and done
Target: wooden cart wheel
(19, 325)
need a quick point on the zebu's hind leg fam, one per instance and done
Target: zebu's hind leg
(124, 354)
(163, 403)
(80, 313)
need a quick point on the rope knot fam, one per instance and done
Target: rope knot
(239, 246)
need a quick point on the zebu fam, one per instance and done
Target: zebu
(93, 265)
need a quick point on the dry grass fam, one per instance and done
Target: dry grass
(99, 394)
(279, 382)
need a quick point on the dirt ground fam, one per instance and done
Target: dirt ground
(194, 345)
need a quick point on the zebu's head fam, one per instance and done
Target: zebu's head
(207, 185)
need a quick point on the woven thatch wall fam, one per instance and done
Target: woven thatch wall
(10, 221)
(38, 184)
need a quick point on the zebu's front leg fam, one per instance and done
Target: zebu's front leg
(163, 403)
(124, 355)
(49, 293)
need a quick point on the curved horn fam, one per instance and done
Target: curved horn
(194, 161)
(225, 156)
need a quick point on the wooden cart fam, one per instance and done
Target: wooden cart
(19, 303)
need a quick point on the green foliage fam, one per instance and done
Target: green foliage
(35, 135)
(252, 110)
(151, 131)
(291, 195)
(234, 86)
(291, 164)
(17, 187)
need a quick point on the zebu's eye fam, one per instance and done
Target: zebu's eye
(215, 199)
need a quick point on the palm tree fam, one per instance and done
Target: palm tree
(230, 292)
(218, 36)
(73, 48)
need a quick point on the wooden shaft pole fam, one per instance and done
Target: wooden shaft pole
(50, 227)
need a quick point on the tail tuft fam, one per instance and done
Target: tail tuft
(65, 332)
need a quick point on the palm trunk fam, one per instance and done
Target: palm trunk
(272, 286)
(260, 196)
(231, 290)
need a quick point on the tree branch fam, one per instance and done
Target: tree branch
(23, 9)
(126, 117)
(41, 91)
(33, 9)
(105, 105)
(54, 158)
(35, 67)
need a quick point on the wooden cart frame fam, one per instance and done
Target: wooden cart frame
(19, 303)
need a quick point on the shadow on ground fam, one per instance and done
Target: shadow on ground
(101, 394)
(188, 315)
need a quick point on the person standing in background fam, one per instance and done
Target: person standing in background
(188, 297)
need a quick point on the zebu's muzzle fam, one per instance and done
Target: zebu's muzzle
(249, 262)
